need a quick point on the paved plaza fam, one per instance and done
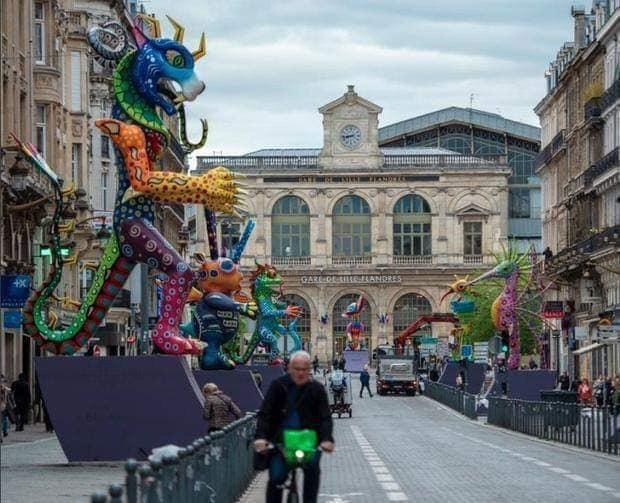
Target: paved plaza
(393, 449)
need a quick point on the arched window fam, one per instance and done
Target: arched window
(340, 323)
(412, 227)
(351, 228)
(290, 228)
(409, 308)
(303, 322)
(230, 233)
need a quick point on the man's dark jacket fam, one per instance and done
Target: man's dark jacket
(312, 407)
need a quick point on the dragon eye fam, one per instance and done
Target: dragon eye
(213, 273)
(175, 59)
(202, 274)
(227, 265)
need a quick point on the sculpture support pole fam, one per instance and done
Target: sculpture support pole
(144, 309)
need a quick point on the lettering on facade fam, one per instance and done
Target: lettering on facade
(352, 278)
(314, 179)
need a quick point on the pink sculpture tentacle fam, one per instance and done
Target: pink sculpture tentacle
(142, 242)
(509, 306)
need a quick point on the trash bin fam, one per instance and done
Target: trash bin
(562, 409)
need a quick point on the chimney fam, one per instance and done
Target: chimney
(579, 13)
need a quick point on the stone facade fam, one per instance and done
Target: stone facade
(580, 172)
(454, 190)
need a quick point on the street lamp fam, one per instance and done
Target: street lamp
(19, 174)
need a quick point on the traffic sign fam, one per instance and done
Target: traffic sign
(481, 352)
(466, 351)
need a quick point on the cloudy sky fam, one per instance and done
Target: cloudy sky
(272, 64)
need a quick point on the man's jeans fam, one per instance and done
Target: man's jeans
(278, 471)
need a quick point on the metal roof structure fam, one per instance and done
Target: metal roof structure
(464, 115)
(310, 152)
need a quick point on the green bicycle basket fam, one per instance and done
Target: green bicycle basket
(299, 446)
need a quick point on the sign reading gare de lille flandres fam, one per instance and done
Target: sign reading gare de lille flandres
(351, 278)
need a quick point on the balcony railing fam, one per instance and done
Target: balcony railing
(473, 259)
(290, 261)
(412, 259)
(579, 253)
(550, 150)
(606, 163)
(610, 95)
(353, 260)
(592, 109)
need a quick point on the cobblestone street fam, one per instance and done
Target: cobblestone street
(393, 449)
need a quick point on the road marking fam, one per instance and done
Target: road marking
(528, 458)
(382, 473)
(555, 469)
(616, 495)
(541, 463)
(575, 477)
(600, 487)
(21, 444)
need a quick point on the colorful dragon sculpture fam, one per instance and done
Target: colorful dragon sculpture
(143, 80)
(215, 319)
(515, 299)
(355, 328)
(266, 286)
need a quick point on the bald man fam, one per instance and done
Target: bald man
(294, 401)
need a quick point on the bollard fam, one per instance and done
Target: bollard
(131, 480)
(182, 474)
(156, 485)
(116, 494)
(169, 478)
(98, 498)
(145, 472)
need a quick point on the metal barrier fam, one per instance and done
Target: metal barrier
(456, 399)
(217, 467)
(595, 428)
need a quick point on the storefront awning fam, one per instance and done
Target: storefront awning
(587, 349)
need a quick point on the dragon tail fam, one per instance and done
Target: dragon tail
(252, 345)
(108, 281)
(292, 331)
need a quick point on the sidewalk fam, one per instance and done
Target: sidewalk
(256, 492)
(31, 433)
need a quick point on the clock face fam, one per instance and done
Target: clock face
(350, 136)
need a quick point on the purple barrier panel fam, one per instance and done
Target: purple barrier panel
(474, 375)
(355, 360)
(527, 384)
(119, 407)
(269, 374)
(237, 384)
(448, 376)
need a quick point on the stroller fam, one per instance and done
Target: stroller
(340, 393)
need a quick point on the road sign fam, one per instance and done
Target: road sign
(581, 333)
(481, 352)
(428, 340)
(466, 351)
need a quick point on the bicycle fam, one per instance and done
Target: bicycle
(298, 449)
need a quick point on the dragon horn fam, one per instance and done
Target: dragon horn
(179, 31)
(243, 241)
(202, 48)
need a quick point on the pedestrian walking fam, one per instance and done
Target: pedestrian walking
(460, 380)
(315, 365)
(219, 409)
(365, 380)
(7, 405)
(615, 397)
(597, 389)
(21, 395)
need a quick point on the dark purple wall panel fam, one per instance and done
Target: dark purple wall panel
(237, 384)
(269, 374)
(114, 408)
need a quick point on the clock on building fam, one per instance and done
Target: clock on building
(350, 136)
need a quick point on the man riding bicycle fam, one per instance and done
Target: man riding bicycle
(294, 402)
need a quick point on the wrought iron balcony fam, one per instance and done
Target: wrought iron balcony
(579, 253)
(554, 146)
(592, 109)
(610, 95)
(606, 163)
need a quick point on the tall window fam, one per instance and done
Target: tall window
(303, 322)
(76, 84)
(472, 234)
(231, 233)
(105, 147)
(412, 226)
(39, 33)
(104, 191)
(522, 165)
(340, 323)
(75, 163)
(41, 128)
(408, 309)
(290, 228)
(351, 227)
(519, 203)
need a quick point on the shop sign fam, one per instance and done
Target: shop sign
(553, 309)
(14, 290)
(351, 279)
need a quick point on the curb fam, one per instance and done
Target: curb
(523, 436)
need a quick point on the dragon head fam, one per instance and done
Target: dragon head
(218, 275)
(265, 279)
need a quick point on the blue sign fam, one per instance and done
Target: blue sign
(466, 351)
(12, 319)
(14, 290)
